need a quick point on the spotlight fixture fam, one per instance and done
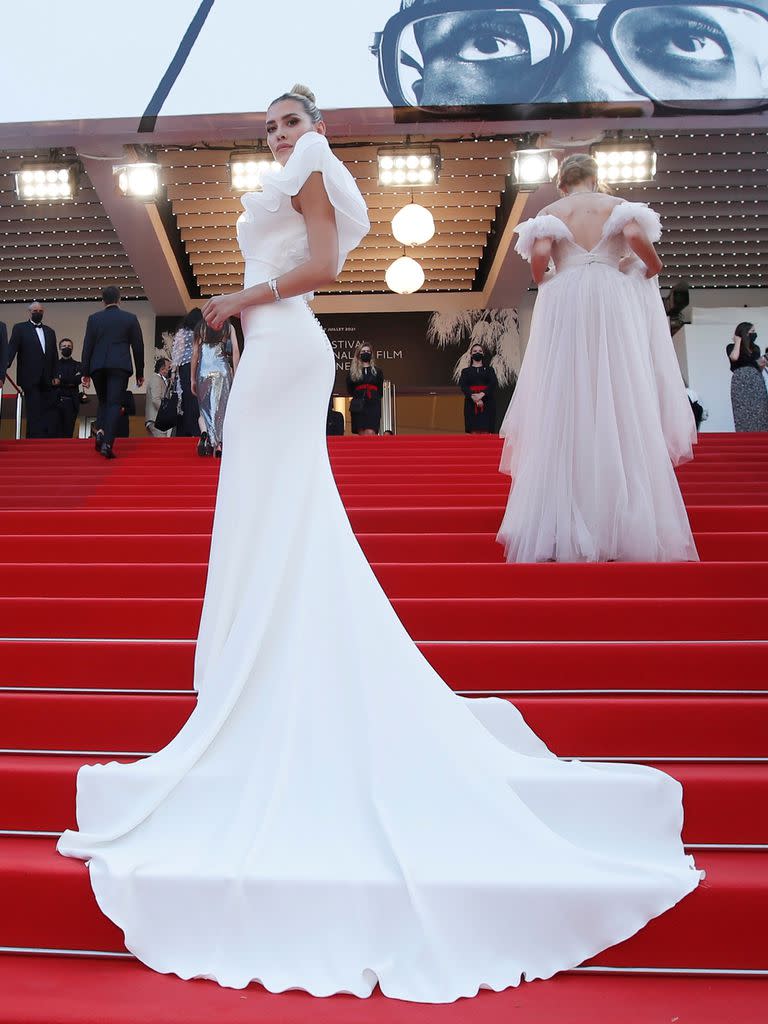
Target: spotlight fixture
(138, 181)
(534, 167)
(47, 183)
(247, 168)
(624, 162)
(405, 276)
(413, 225)
(408, 167)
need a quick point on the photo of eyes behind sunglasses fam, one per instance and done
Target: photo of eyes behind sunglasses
(677, 55)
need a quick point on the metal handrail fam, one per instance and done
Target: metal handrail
(388, 407)
(19, 400)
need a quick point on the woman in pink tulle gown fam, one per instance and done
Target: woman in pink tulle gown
(600, 415)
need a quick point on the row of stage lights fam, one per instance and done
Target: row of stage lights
(398, 168)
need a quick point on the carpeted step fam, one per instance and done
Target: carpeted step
(586, 725)
(178, 546)
(47, 902)
(482, 519)
(469, 667)
(426, 619)
(69, 990)
(722, 799)
(464, 579)
(445, 502)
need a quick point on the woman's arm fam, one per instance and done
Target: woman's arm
(638, 242)
(194, 365)
(540, 257)
(320, 270)
(735, 352)
(235, 347)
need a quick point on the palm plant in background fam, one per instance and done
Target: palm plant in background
(497, 330)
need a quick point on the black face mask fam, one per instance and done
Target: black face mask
(477, 357)
(66, 353)
(752, 336)
(365, 357)
(36, 318)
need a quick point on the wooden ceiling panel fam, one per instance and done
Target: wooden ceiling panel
(464, 203)
(67, 250)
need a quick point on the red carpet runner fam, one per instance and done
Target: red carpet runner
(100, 596)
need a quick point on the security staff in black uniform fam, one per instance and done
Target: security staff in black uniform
(67, 381)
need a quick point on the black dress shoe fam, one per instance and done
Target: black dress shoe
(98, 441)
(204, 445)
(106, 451)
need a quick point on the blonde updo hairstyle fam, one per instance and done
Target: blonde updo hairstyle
(577, 168)
(305, 96)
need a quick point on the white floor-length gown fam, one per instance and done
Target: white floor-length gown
(600, 414)
(329, 823)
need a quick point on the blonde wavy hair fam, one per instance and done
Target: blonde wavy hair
(306, 98)
(577, 168)
(357, 366)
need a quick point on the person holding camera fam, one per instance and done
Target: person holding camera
(156, 388)
(67, 382)
(478, 383)
(749, 398)
(365, 383)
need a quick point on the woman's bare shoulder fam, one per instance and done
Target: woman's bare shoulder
(602, 199)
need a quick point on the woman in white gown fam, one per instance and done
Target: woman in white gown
(600, 414)
(318, 828)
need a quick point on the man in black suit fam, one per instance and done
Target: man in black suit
(110, 337)
(33, 346)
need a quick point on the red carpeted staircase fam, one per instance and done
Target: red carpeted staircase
(661, 664)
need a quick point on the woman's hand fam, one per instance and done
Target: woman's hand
(630, 264)
(193, 387)
(221, 307)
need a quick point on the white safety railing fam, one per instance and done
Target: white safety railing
(388, 408)
(19, 400)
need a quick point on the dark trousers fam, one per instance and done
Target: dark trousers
(187, 425)
(38, 405)
(110, 386)
(67, 407)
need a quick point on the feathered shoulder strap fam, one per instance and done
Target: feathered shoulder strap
(312, 153)
(543, 226)
(623, 213)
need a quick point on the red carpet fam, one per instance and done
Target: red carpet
(657, 663)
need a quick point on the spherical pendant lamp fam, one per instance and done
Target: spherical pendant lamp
(413, 225)
(405, 276)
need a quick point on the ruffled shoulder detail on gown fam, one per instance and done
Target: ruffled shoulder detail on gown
(312, 153)
(544, 226)
(623, 213)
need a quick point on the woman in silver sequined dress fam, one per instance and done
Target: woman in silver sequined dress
(215, 355)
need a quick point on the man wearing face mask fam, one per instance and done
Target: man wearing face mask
(365, 383)
(66, 383)
(478, 383)
(33, 346)
(749, 400)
